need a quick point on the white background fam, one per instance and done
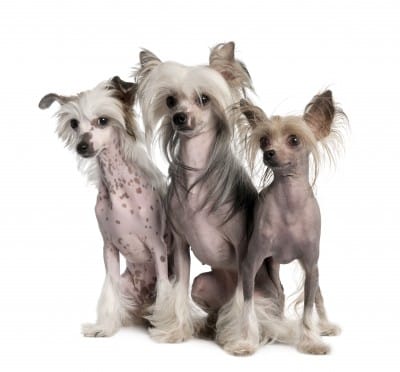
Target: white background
(51, 268)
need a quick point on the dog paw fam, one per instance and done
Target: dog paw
(314, 347)
(240, 348)
(96, 330)
(170, 336)
(328, 329)
(205, 328)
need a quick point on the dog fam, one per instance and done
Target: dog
(99, 125)
(287, 222)
(210, 196)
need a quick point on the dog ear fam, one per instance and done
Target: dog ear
(253, 114)
(222, 59)
(127, 89)
(146, 57)
(48, 100)
(148, 61)
(320, 113)
(225, 51)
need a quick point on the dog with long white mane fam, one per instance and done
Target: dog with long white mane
(210, 197)
(99, 125)
(287, 222)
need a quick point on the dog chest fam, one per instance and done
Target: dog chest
(204, 232)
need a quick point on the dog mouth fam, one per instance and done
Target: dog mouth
(87, 155)
(276, 166)
(180, 128)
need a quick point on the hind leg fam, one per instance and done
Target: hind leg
(268, 284)
(269, 306)
(326, 328)
(210, 291)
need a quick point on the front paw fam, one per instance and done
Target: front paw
(328, 329)
(97, 330)
(171, 335)
(313, 346)
(240, 348)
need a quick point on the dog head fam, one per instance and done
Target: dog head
(190, 100)
(89, 121)
(287, 141)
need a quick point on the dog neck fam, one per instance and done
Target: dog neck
(195, 153)
(117, 175)
(291, 187)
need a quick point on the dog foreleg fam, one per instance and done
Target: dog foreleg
(110, 311)
(172, 315)
(309, 341)
(326, 328)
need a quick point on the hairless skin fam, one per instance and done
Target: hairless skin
(287, 221)
(100, 125)
(210, 196)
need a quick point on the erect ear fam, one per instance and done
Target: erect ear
(148, 61)
(319, 114)
(224, 51)
(146, 57)
(127, 89)
(222, 59)
(253, 114)
(48, 100)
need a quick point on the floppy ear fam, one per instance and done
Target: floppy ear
(319, 114)
(253, 114)
(48, 100)
(222, 59)
(126, 89)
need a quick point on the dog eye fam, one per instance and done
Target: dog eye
(264, 142)
(203, 100)
(74, 123)
(293, 140)
(171, 101)
(102, 121)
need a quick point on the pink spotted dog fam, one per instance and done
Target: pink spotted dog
(99, 124)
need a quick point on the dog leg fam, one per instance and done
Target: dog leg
(173, 316)
(310, 342)
(273, 269)
(326, 328)
(110, 311)
(210, 291)
(158, 315)
(237, 326)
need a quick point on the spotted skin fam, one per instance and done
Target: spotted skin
(132, 234)
(99, 124)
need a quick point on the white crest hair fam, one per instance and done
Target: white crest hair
(103, 101)
(170, 77)
(224, 174)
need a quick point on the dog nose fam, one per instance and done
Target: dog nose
(269, 154)
(82, 148)
(180, 118)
